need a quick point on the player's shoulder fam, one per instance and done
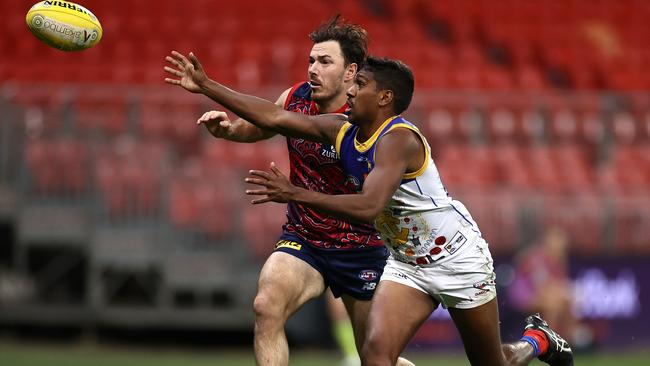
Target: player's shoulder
(298, 90)
(401, 135)
(301, 90)
(398, 126)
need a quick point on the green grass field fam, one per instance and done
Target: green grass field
(13, 353)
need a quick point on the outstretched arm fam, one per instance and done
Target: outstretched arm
(398, 152)
(220, 126)
(260, 112)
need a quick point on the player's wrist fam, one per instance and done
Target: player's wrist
(206, 86)
(298, 195)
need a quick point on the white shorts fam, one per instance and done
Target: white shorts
(464, 280)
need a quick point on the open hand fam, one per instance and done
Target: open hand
(277, 186)
(189, 72)
(217, 122)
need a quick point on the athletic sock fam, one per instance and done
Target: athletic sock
(537, 339)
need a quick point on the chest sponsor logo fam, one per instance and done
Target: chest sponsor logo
(329, 152)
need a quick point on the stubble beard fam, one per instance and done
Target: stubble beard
(326, 99)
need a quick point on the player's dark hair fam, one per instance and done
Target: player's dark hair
(392, 75)
(352, 38)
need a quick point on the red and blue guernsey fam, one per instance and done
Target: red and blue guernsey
(316, 166)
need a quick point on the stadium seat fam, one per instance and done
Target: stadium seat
(101, 112)
(261, 226)
(197, 192)
(494, 212)
(46, 159)
(582, 217)
(130, 188)
(631, 220)
(502, 125)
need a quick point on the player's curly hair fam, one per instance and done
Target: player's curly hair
(352, 38)
(392, 75)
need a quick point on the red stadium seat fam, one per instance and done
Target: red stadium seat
(582, 217)
(631, 220)
(101, 111)
(502, 125)
(262, 225)
(494, 212)
(130, 187)
(563, 126)
(46, 159)
(197, 192)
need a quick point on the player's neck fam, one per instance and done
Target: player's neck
(366, 130)
(332, 105)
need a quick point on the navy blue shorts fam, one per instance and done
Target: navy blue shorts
(354, 272)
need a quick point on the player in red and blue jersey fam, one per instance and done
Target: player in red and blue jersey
(316, 250)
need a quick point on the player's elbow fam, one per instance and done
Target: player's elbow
(268, 119)
(369, 213)
(276, 120)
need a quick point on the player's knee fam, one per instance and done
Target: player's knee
(374, 353)
(268, 310)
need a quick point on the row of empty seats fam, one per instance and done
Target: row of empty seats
(168, 114)
(132, 178)
(449, 44)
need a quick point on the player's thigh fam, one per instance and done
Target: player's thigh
(396, 313)
(288, 282)
(358, 311)
(479, 330)
(336, 308)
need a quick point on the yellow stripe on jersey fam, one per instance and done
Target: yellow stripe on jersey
(339, 136)
(427, 151)
(364, 146)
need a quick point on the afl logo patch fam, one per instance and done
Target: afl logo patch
(368, 275)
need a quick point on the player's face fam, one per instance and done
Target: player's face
(326, 71)
(362, 98)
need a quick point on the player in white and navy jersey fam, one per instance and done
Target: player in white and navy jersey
(438, 256)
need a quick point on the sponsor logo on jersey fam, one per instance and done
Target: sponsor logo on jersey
(369, 286)
(455, 243)
(368, 275)
(288, 244)
(329, 153)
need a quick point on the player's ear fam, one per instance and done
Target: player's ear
(386, 97)
(351, 71)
